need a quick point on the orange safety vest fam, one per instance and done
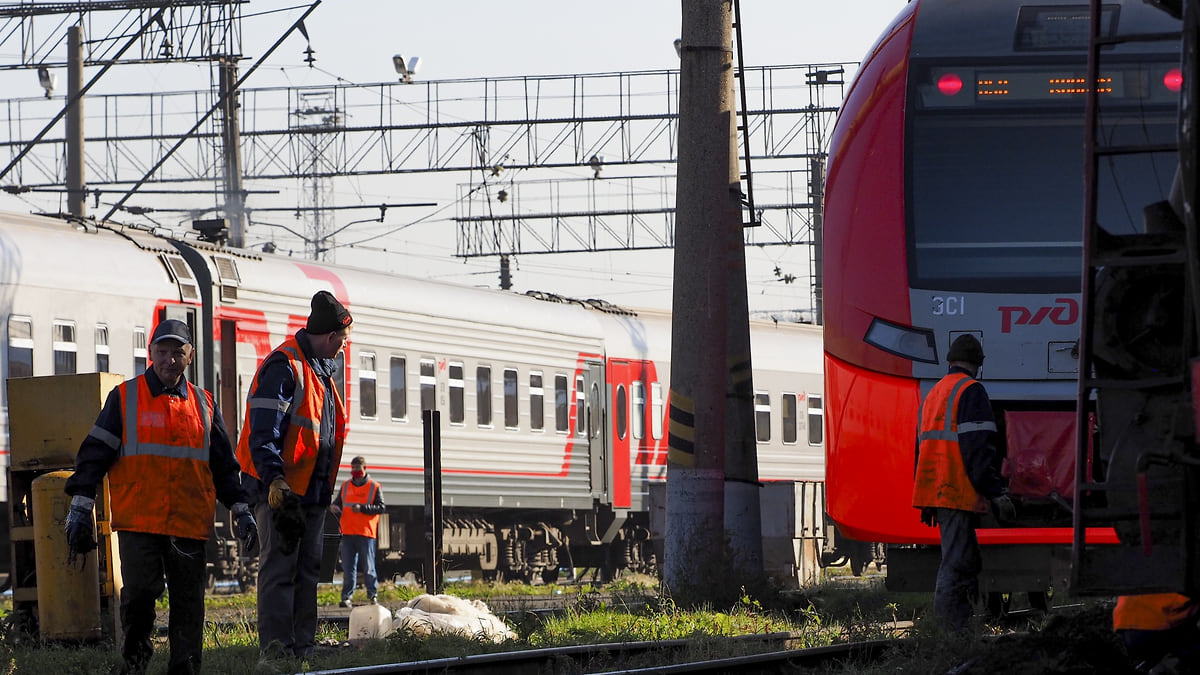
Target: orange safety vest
(941, 477)
(1157, 611)
(362, 524)
(303, 438)
(161, 482)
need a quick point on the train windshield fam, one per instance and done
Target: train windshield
(996, 165)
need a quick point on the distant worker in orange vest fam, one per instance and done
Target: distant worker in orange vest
(290, 449)
(957, 473)
(359, 503)
(1160, 631)
(163, 444)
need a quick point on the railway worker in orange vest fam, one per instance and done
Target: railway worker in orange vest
(957, 473)
(1160, 628)
(358, 504)
(290, 448)
(163, 444)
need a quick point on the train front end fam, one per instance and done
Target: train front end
(954, 204)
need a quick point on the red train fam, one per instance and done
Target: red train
(954, 204)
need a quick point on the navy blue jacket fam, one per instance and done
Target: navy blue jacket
(269, 426)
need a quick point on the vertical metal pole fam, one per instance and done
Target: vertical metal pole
(431, 420)
(76, 196)
(705, 211)
(235, 199)
(818, 201)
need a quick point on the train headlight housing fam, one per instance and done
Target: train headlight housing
(917, 344)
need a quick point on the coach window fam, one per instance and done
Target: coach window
(816, 420)
(102, 349)
(562, 405)
(428, 384)
(762, 416)
(367, 404)
(65, 349)
(656, 410)
(537, 402)
(510, 398)
(788, 415)
(399, 389)
(457, 409)
(139, 351)
(20, 346)
(637, 391)
(622, 406)
(593, 412)
(483, 396)
(580, 403)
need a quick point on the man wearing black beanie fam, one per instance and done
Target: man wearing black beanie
(290, 449)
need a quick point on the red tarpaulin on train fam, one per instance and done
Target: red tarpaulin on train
(1041, 453)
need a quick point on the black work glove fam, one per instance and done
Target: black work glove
(244, 526)
(80, 527)
(929, 516)
(1004, 510)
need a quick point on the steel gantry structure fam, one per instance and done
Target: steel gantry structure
(188, 30)
(546, 164)
(499, 132)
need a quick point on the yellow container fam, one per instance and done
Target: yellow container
(50, 416)
(68, 596)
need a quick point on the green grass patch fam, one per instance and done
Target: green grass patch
(626, 611)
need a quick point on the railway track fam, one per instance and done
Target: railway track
(605, 658)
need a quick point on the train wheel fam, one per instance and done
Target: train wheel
(1040, 600)
(210, 584)
(859, 561)
(550, 576)
(998, 604)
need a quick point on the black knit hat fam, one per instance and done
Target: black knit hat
(966, 348)
(327, 314)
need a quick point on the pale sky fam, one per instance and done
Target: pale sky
(354, 42)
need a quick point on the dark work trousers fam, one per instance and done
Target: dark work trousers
(145, 559)
(287, 584)
(958, 573)
(358, 552)
(1148, 647)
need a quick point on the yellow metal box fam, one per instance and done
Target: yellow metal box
(48, 417)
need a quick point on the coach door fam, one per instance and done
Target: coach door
(592, 423)
(196, 371)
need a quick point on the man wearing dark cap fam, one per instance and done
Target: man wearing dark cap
(290, 449)
(163, 444)
(957, 474)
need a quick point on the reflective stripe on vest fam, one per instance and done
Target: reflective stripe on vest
(161, 482)
(941, 477)
(361, 524)
(133, 445)
(302, 441)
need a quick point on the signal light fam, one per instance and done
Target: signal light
(949, 84)
(1173, 79)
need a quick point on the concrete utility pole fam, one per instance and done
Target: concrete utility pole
(235, 197)
(76, 179)
(743, 492)
(707, 208)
